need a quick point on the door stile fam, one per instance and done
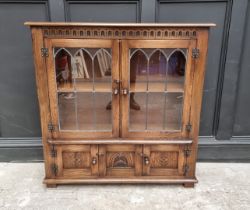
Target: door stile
(52, 88)
(124, 86)
(115, 88)
(188, 91)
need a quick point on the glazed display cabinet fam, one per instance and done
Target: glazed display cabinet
(119, 103)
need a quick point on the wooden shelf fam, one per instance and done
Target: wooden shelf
(156, 87)
(137, 127)
(158, 84)
(103, 87)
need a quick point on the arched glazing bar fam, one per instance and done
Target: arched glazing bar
(155, 82)
(90, 79)
(167, 52)
(183, 51)
(64, 77)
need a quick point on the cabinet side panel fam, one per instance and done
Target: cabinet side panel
(42, 91)
(198, 82)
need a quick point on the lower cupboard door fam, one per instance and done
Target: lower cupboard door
(77, 161)
(120, 160)
(163, 160)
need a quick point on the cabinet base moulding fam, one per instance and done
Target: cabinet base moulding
(185, 182)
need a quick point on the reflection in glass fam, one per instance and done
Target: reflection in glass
(103, 116)
(157, 71)
(138, 117)
(83, 77)
(173, 111)
(156, 88)
(85, 111)
(67, 111)
(138, 73)
(155, 111)
(63, 68)
(176, 71)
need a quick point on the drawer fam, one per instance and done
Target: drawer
(77, 161)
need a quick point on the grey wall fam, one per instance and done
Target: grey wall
(225, 119)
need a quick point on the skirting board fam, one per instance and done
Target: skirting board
(210, 150)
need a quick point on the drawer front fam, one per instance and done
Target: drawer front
(120, 160)
(77, 161)
(163, 160)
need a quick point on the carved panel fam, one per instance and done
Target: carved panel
(164, 160)
(76, 160)
(120, 160)
(122, 33)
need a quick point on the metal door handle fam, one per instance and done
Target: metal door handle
(94, 161)
(116, 81)
(146, 160)
(125, 91)
(116, 91)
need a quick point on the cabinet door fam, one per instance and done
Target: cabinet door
(156, 88)
(77, 161)
(163, 160)
(83, 80)
(120, 160)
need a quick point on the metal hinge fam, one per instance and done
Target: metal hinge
(186, 169)
(51, 127)
(54, 168)
(53, 152)
(195, 53)
(187, 152)
(188, 127)
(44, 52)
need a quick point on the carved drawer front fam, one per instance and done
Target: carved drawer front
(120, 160)
(77, 161)
(163, 160)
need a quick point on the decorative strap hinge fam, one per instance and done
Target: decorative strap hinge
(188, 127)
(195, 53)
(44, 52)
(187, 152)
(186, 169)
(51, 127)
(54, 168)
(53, 152)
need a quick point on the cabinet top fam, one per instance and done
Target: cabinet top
(40, 24)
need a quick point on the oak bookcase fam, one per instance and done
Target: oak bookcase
(119, 103)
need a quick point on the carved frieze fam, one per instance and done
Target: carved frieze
(120, 33)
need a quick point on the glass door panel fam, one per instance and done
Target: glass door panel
(83, 77)
(83, 82)
(157, 84)
(157, 75)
